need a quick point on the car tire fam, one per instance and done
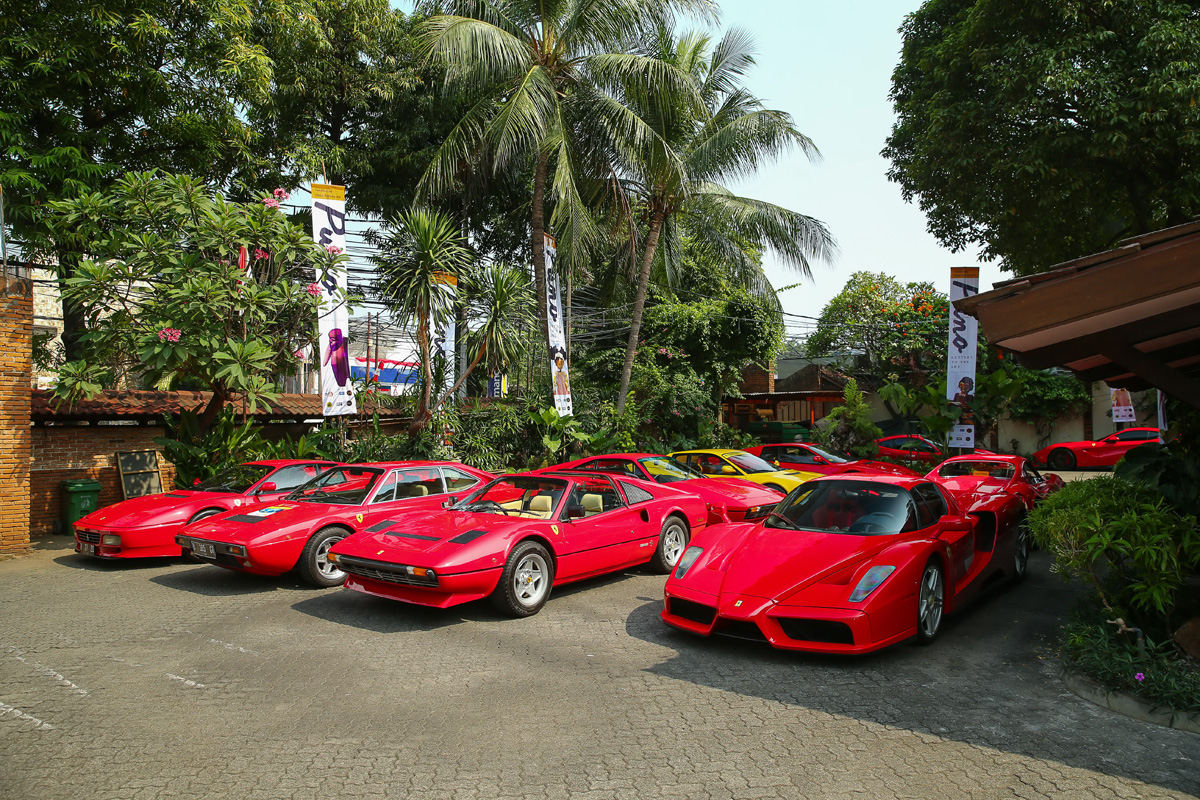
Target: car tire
(1021, 549)
(314, 566)
(1061, 458)
(931, 600)
(205, 514)
(672, 541)
(525, 583)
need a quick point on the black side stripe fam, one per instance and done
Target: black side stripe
(244, 518)
(413, 536)
(468, 536)
(378, 526)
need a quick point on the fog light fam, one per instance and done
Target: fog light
(236, 550)
(111, 539)
(332, 558)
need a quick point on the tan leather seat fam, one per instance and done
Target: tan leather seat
(592, 504)
(418, 490)
(541, 506)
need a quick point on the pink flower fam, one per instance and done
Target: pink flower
(676, 413)
(333, 249)
(169, 335)
(281, 194)
(662, 351)
(1139, 677)
(260, 254)
(270, 202)
(314, 289)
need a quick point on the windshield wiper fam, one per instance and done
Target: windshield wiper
(787, 523)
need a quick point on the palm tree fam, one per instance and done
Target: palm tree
(677, 181)
(544, 70)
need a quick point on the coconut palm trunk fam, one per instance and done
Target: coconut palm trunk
(639, 303)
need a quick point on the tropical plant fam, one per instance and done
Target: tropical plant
(199, 452)
(166, 299)
(546, 68)
(677, 176)
(848, 427)
(1047, 396)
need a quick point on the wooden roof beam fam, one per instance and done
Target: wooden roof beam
(1172, 381)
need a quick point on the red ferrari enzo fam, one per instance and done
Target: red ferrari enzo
(1104, 452)
(515, 538)
(846, 564)
(146, 526)
(812, 458)
(727, 499)
(975, 479)
(297, 532)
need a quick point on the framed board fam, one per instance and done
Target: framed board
(139, 473)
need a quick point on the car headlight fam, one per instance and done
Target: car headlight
(870, 582)
(332, 558)
(111, 539)
(686, 560)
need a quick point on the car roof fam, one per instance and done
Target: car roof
(404, 464)
(287, 462)
(714, 451)
(634, 456)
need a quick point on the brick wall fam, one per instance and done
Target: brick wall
(757, 379)
(69, 452)
(16, 364)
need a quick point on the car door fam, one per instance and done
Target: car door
(794, 456)
(459, 483)
(599, 531)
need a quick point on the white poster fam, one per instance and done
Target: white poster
(442, 341)
(960, 361)
(1122, 406)
(329, 231)
(560, 377)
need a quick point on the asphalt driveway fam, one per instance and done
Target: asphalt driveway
(178, 680)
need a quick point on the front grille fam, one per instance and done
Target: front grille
(696, 612)
(91, 537)
(379, 571)
(817, 630)
(740, 629)
(762, 512)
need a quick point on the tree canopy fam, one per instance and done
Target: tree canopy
(1043, 131)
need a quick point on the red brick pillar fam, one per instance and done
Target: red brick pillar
(16, 369)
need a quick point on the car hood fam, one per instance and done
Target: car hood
(247, 523)
(155, 509)
(421, 532)
(774, 563)
(730, 493)
(885, 468)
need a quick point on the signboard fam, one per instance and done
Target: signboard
(1122, 406)
(960, 361)
(329, 231)
(560, 375)
(497, 385)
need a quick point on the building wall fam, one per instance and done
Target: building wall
(16, 363)
(70, 452)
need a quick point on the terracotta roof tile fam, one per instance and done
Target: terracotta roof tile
(131, 405)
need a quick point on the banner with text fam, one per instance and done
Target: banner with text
(329, 231)
(559, 371)
(442, 343)
(960, 361)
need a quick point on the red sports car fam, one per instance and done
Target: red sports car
(846, 564)
(727, 500)
(1104, 452)
(146, 526)
(911, 447)
(974, 479)
(297, 532)
(515, 538)
(816, 459)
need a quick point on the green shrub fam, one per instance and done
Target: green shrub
(849, 428)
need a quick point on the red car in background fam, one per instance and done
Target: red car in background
(727, 500)
(816, 459)
(845, 564)
(1104, 452)
(974, 479)
(144, 527)
(518, 536)
(297, 531)
(913, 448)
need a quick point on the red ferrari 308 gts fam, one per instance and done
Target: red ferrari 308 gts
(297, 532)
(146, 526)
(812, 458)
(846, 564)
(975, 479)
(515, 538)
(728, 500)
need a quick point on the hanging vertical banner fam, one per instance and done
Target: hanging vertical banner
(497, 385)
(1162, 415)
(443, 340)
(560, 377)
(329, 231)
(960, 361)
(1122, 405)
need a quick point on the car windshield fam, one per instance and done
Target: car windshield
(751, 463)
(830, 456)
(1001, 470)
(853, 507)
(516, 496)
(238, 479)
(346, 486)
(668, 470)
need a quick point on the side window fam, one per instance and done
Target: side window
(419, 483)
(635, 494)
(591, 497)
(291, 477)
(614, 466)
(457, 480)
(930, 505)
(684, 458)
(797, 455)
(387, 489)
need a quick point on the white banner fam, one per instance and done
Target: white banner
(560, 377)
(1122, 405)
(442, 342)
(960, 361)
(329, 231)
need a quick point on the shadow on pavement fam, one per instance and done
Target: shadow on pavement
(990, 680)
(218, 582)
(90, 563)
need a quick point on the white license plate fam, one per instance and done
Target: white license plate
(204, 549)
(87, 549)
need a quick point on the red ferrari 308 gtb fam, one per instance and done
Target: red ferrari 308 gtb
(146, 526)
(297, 531)
(515, 538)
(846, 564)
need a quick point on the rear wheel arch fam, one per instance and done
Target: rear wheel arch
(204, 513)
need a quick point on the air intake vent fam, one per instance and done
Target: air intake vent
(696, 612)
(817, 630)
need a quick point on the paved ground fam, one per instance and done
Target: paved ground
(176, 680)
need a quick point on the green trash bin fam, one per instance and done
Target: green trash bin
(80, 498)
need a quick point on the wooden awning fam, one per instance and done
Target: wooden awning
(1129, 316)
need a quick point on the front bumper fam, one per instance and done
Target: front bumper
(150, 542)
(449, 590)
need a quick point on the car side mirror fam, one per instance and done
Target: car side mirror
(728, 470)
(267, 488)
(448, 503)
(575, 512)
(819, 460)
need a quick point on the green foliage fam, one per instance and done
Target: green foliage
(166, 299)
(199, 454)
(1172, 471)
(1046, 131)
(994, 391)
(1046, 397)
(1124, 540)
(848, 428)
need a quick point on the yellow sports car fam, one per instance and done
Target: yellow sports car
(743, 465)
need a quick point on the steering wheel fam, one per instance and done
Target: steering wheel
(875, 522)
(488, 505)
